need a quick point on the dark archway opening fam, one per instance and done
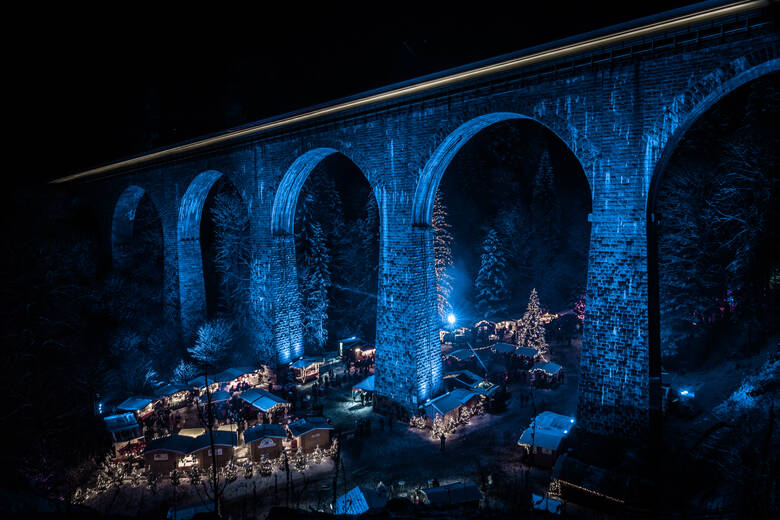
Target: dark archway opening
(517, 190)
(337, 254)
(714, 266)
(140, 258)
(227, 255)
(715, 215)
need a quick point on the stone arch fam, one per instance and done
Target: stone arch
(123, 220)
(288, 333)
(661, 144)
(286, 198)
(687, 108)
(192, 288)
(445, 152)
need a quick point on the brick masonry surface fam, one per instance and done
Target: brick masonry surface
(620, 117)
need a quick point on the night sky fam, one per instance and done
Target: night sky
(94, 91)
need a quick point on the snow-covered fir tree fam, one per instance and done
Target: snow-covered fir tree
(213, 342)
(544, 208)
(531, 329)
(232, 254)
(316, 282)
(492, 293)
(442, 255)
(184, 372)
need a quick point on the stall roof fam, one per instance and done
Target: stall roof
(526, 352)
(452, 494)
(120, 422)
(219, 395)
(548, 367)
(463, 354)
(304, 426)
(134, 403)
(262, 431)
(448, 402)
(232, 373)
(553, 421)
(261, 399)
(367, 385)
(473, 382)
(221, 438)
(353, 340)
(304, 362)
(200, 381)
(357, 501)
(171, 389)
(177, 443)
(549, 439)
(503, 348)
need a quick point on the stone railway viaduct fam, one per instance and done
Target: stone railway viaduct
(620, 99)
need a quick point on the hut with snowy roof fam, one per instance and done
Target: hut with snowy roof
(224, 443)
(546, 374)
(359, 500)
(544, 436)
(265, 441)
(310, 432)
(450, 405)
(457, 494)
(163, 455)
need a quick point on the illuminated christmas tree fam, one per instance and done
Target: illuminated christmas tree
(531, 329)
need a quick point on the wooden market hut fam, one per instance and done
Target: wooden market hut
(173, 395)
(354, 348)
(306, 369)
(449, 405)
(219, 396)
(141, 406)
(271, 406)
(234, 376)
(124, 429)
(310, 432)
(457, 494)
(470, 381)
(503, 348)
(546, 374)
(224, 442)
(359, 500)
(485, 332)
(544, 436)
(526, 356)
(162, 455)
(265, 441)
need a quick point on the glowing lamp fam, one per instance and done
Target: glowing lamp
(565, 431)
(451, 319)
(571, 420)
(683, 392)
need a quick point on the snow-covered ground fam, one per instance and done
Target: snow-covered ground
(483, 451)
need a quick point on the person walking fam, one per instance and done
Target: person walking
(442, 439)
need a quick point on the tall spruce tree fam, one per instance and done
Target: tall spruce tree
(316, 283)
(442, 255)
(232, 253)
(492, 294)
(531, 330)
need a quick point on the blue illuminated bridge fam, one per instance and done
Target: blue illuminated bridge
(620, 99)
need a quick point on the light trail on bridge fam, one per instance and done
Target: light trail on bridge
(422, 86)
